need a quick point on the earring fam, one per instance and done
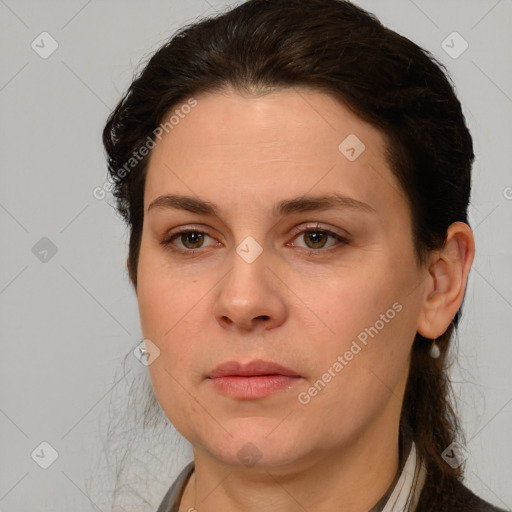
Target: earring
(434, 350)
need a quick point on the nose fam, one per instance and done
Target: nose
(250, 297)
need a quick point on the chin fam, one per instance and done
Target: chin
(255, 443)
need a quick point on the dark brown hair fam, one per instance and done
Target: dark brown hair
(335, 47)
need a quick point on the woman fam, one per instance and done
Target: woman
(296, 179)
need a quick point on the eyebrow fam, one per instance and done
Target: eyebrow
(281, 209)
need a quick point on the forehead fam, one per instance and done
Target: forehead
(291, 140)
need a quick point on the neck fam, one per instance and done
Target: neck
(351, 479)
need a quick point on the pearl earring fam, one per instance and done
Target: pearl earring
(434, 350)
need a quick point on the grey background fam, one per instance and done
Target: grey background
(67, 321)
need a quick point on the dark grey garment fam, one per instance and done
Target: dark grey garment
(172, 499)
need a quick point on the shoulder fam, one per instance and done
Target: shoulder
(458, 498)
(475, 503)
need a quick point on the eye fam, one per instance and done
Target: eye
(315, 237)
(190, 240)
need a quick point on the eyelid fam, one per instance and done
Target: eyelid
(316, 226)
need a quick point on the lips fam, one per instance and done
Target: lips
(251, 369)
(252, 381)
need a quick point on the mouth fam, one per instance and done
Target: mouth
(256, 379)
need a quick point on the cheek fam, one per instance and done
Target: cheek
(369, 378)
(170, 389)
(174, 310)
(367, 323)
(163, 295)
(347, 301)
(164, 320)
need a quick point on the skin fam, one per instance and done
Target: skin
(298, 304)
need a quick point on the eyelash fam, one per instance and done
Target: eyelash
(168, 241)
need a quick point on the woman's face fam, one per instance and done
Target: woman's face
(277, 267)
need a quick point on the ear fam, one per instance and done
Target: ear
(446, 282)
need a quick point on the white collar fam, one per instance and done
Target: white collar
(406, 493)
